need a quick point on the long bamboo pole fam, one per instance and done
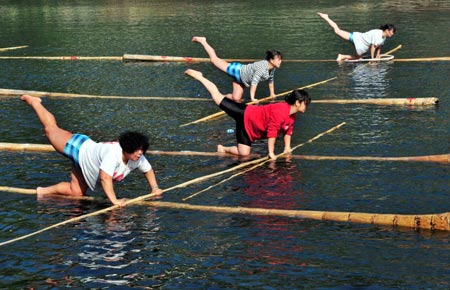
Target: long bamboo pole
(439, 158)
(72, 57)
(428, 221)
(12, 92)
(150, 195)
(265, 160)
(221, 113)
(439, 222)
(385, 101)
(12, 48)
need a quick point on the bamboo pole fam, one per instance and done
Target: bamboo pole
(221, 113)
(150, 195)
(12, 92)
(263, 161)
(12, 48)
(439, 158)
(384, 101)
(72, 57)
(422, 59)
(428, 221)
(33, 192)
(439, 222)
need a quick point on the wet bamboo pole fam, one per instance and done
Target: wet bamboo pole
(72, 57)
(438, 158)
(13, 48)
(384, 101)
(150, 195)
(14, 93)
(439, 222)
(420, 221)
(222, 113)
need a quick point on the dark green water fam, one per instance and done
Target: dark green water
(140, 247)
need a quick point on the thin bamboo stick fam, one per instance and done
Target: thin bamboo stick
(442, 158)
(221, 113)
(12, 92)
(12, 48)
(263, 161)
(150, 195)
(428, 221)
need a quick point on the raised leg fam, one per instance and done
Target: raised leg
(339, 32)
(210, 86)
(215, 60)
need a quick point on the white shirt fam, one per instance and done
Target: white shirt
(94, 157)
(363, 41)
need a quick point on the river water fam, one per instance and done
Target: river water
(140, 247)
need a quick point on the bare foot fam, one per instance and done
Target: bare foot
(30, 99)
(339, 57)
(220, 149)
(194, 73)
(323, 15)
(199, 39)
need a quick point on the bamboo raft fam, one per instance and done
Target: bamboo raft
(439, 158)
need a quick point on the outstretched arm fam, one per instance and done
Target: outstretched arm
(271, 147)
(287, 144)
(272, 89)
(108, 188)
(253, 93)
(151, 179)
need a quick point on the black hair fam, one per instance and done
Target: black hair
(298, 95)
(387, 27)
(271, 54)
(130, 141)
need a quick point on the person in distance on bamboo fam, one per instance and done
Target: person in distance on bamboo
(107, 162)
(372, 39)
(245, 75)
(256, 122)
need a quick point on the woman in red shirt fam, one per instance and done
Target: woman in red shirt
(257, 122)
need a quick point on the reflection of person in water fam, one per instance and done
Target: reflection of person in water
(277, 186)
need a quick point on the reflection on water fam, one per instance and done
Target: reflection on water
(370, 81)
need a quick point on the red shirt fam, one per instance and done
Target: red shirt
(267, 121)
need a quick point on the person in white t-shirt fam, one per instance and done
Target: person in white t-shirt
(372, 39)
(92, 162)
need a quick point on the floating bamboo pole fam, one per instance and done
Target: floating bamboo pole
(222, 113)
(392, 101)
(12, 92)
(12, 48)
(72, 57)
(384, 101)
(33, 192)
(439, 222)
(440, 158)
(428, 221)
(150, 195)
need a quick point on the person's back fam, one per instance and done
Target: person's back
(266, 121)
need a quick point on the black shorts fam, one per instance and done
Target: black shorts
(236, 111)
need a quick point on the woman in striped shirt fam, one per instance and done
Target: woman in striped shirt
(258, 122)
(245, 75)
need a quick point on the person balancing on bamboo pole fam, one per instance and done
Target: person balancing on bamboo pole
(245, 75)
(255, 122)
(91, 161)
(372, 39)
